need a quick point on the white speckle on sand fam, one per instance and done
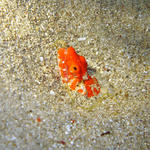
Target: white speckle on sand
(52, 92)
(68, 129)
(82, 39)
(143, 90)
(41, 58)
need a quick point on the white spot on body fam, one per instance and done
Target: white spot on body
(85, 77)
(64, 69)
(81, 86)
(65, 52)
(65, 79)
(71, 81)
(58, 60)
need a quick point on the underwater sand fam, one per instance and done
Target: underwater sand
(37, 112)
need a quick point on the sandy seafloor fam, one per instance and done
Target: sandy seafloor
(37, 112)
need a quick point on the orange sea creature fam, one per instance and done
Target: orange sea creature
(73, 70)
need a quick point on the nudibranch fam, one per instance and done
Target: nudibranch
(73, 71)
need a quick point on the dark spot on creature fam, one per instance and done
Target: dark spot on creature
(75, 68)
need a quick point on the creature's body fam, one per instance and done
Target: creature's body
(73, 70)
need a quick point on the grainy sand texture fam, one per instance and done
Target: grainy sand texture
(38, 112)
